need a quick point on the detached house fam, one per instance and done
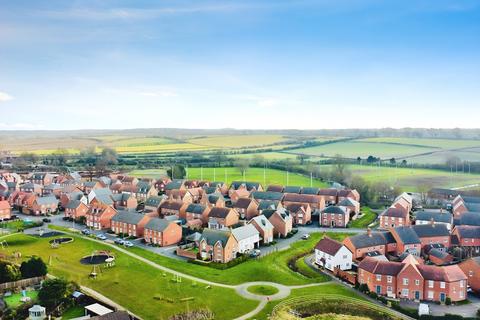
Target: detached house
(301, 213)
(75, 209)
(246, 208)
(197, 212)
(248, 238)
(218, 246)
(41, 178)
(222, 218)
(332, 254)
(281, 220)
(213, 200)
(471, 269)
(100, 217)
(264, 227)
(467, 237)
(162, 232)
(348, 193)
(130, 223)
(124, 200)
(394, 217)
(334, 217)
(5, 210)
(44, 205)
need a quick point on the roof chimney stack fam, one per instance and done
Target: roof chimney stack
(369, 232)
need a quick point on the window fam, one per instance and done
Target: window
(405, 292)
(442, 285)
(417, 282)
(462, 283)
(430, 284)
(430, 294)
(405, 281)
(379, 277)
(389, 279)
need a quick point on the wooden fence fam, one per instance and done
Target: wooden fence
(20, 283)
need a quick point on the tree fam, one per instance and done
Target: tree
(339, 172)
(404, 163)
(242, 165)
(53, 291)
(179, 172)
(363, 188)
(258, 160)
(393, 161)
(422, 189)
(9, 272)
(34, 267)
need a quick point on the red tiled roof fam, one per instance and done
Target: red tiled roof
(375, 266)
(394, 212)
(243, 203)
(328, 245)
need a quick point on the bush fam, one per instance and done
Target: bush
(221, 266)
(448, 301)
(363, 288)
(35, 267)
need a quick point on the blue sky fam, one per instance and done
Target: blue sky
(239, 64)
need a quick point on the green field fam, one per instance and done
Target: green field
(409, 179)
(131, 280)
(238, 141)
(272, 176)
(354, 149)
(435, 143)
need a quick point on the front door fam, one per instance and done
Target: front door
(379, 290)
(442, 297)
(417, 295)
(332, 223)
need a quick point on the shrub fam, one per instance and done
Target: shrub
(448, 301)
(34, 267)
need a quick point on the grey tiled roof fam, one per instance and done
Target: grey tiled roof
(431, 230)
(157, 224)
(128, 217)
(407, 235)
(445, 217)
(267, 195)
(244, 232)
(365, 241)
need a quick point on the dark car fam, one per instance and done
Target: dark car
(46, 220)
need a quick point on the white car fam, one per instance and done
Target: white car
(306, 236)
(128, 244)
(101, 237)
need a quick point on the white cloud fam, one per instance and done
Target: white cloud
(160, 93)
(5, 97)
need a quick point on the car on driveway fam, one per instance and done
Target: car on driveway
(101, 236)
(47, 220)
(119, 241)
(86, 232)
(306, 236)
(127, 244)
(255, 253)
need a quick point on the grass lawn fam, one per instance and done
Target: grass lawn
(367, 218)
(14, 300)
(17, 224)
(308, 272)
(131, 280)
(73, 312)
(272, 176)
(263, 290)
(272, 267)
(323, 289)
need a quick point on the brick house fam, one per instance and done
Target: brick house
(218, 246)
(268, 205)
(171, 208)
(65, 198)
(152, 205)
(315, 202)
(213, 200)
(221, 218)
(238, 194)
(471, 269)
(124, 200)
(128, 222)
(353, 207)
(301, 213)
(53, 189)
(246, 207)
(443, 282)
(348, 193)
(44, 205)
(429, 216)
(334, 217)
(75, 209)
(5, 210)
(394, 217)
(329, 195)
(264, 227)
(361, 244)
(467, 238)
(99, 217)
(432, 234)
(162, 232)
(407, 241)
(379, 276)
(161, 183)
(31, 188)
(281, 220)
(248, 238)
(195, 211)
(88, 186)
(41, 178)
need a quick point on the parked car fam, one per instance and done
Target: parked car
(255, 253)
(306, 236)
(86, 232)
(101, 236)
(119, 241)
(128, 244)
(47, 220)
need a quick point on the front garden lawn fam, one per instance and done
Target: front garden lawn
(137, 286)
(367, 218)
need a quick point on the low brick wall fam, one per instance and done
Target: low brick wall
(186, 253)
(350, 277)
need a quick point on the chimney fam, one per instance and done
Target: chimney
(432, 222)
(369, 232)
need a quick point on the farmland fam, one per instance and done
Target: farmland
(238, 141)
